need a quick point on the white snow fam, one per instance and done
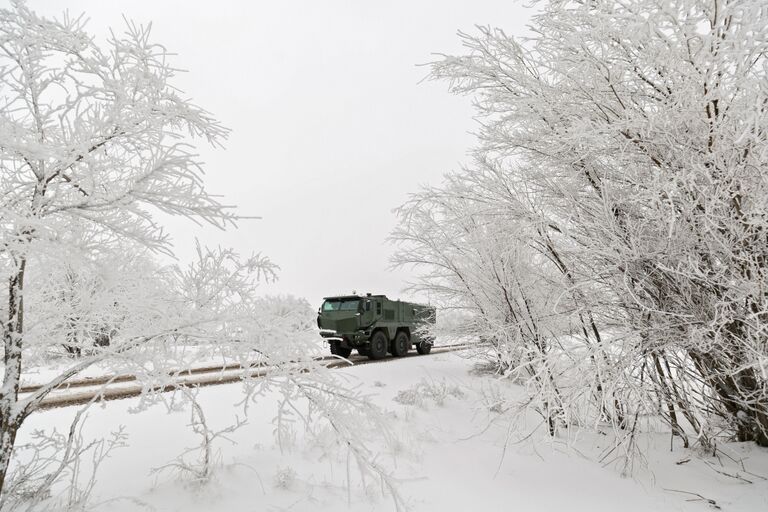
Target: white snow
(449, 453)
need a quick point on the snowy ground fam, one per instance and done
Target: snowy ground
(449, 456)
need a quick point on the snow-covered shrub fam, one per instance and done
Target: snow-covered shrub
(494, 399)
(197, 463)
(428, 390)
(285, 478)
(51, 457)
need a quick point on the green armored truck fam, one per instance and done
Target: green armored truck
(374, 325)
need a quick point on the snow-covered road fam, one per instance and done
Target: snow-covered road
(122, 386)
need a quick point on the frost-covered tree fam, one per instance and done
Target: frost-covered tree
(481, 252)
(94, 141)
(77, 303)
(92, 138)
(638, 133)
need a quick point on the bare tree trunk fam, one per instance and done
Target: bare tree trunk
(7, 441)
(669, 399)
(12, 342)
(738, 389)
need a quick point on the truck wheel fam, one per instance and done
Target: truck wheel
(379, 344)
(402, 344)
(424, 347)
(338, 350)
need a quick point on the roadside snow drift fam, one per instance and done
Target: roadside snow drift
(453, 449)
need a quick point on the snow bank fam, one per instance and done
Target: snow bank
(454, 451)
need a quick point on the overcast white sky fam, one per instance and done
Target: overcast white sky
(331, 129)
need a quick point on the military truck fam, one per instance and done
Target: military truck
(374, 325)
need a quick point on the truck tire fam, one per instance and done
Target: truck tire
(402, 344)
(424, 347)
(338, 350)
(379, 344)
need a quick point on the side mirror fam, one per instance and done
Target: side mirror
(367, 305)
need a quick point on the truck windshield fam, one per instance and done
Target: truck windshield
(341, 305)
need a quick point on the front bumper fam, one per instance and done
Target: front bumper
(350, 339)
